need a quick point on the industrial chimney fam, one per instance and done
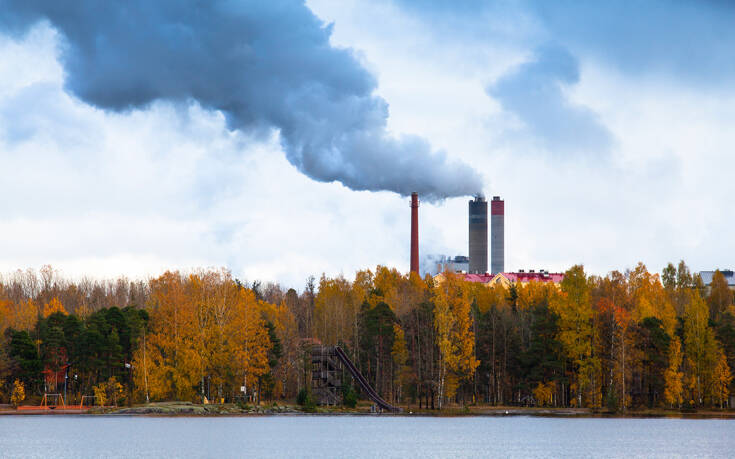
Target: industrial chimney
(497, 243)
(478, 235)
(415, 232)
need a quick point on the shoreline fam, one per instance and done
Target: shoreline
(187, 409)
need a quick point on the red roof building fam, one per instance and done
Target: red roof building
(506, 279)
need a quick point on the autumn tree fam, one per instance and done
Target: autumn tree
(618, 323)
(166, 367)
(674, 390)
(575, 327)
(544, 393)
(204, 327)
(249, 340)
(287, 370)
(336, 310)
(455, 338)
(651, 299)
(700, 347)
(497, 341)
(684, 283)
(18, 394)
(720, 299)
(52, 307)
(402, 371)
(723, 378)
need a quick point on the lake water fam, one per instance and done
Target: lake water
(361, 436)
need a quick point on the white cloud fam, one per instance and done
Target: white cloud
(135, 193)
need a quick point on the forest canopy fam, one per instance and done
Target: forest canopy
(624, 341)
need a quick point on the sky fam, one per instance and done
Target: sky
(280, 139)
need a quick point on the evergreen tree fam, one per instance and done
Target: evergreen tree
(27, 365)
(543, 361)
(653, 345)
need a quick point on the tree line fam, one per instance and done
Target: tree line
(624, 341)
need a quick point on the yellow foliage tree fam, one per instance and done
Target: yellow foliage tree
(53, 306)
(100, 394)
(203, 327)
(454, 335)
(400, 360)
(18, 394)
(410, 291)
(532, 293)
(544, 393)
(720, 299)
(21, 316)
(700, 347)
(336, 309)
(651, 299)
(289, 368)
(249, 342)
(573, 307)
(6, 312)
(385, 286)
(108, 391)
(164, 366)
(674, 389)
(723, 378)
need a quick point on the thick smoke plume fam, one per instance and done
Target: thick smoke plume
(264, 64)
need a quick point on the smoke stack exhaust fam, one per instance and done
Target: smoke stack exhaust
(415, 232)
(497, 242)
(478, 235)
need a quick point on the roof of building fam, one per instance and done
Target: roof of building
(539, 277)
(728, 273)
(521, 277)
(484, 278)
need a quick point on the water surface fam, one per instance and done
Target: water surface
(362, 436)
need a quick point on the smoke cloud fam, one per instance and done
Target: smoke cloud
(265, 65)
(533, 92)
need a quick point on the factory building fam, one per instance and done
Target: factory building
(435, 264)
(478, 235)
(507, 279)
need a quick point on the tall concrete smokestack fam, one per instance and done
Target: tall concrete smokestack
(415, 232)
(478, 235)
(497, 246)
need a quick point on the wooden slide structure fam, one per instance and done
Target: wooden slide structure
(327, 363)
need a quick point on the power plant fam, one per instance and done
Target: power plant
(474, 268)
(478, 240)
(478, 235)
